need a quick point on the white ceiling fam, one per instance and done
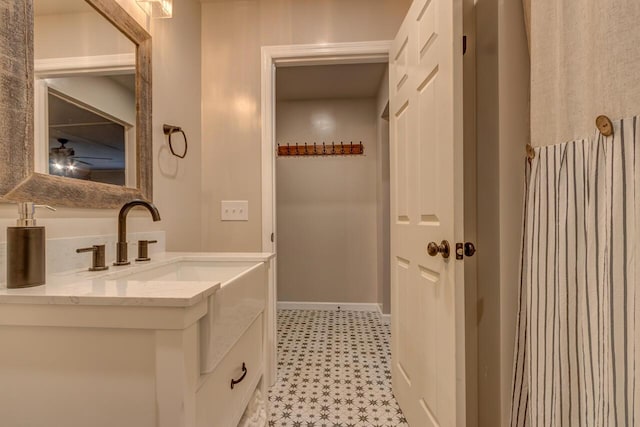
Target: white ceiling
(60, 7)
(128, 81)
(328, 81)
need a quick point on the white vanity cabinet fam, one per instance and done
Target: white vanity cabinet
(124, 352)
(215, 399)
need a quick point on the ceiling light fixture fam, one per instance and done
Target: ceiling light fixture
(157, 8)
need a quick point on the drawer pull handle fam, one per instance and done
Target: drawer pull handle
(239, 380)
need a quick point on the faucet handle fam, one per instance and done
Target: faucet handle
(98, 259)
(143, 250)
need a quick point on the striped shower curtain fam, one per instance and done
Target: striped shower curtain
(578, 324)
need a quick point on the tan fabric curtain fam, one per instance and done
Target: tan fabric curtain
(585, 61)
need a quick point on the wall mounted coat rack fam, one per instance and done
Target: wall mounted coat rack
(321, 149)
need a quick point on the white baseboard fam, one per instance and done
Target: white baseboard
(333, 306)
(385, 318)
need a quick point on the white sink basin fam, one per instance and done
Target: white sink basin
(231, 309)
(186, 271)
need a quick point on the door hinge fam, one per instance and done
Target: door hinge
(464, 44)
(466, 249)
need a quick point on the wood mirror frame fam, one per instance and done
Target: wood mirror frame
(19, 182)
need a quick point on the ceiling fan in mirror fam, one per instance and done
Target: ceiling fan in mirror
(64, 162)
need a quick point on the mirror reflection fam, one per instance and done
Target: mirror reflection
(85, 105)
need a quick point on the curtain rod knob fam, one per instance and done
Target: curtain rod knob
(604, 125)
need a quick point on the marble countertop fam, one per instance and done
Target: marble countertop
(82, 287)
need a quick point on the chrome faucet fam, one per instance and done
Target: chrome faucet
(122, 257)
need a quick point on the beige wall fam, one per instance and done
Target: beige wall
(384, 198)
(514, 134)
(77, 34)
(232, 33)
(502, 132)
(326, 206)
(592, 68)
(176, 100)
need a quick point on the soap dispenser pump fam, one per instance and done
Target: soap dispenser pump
(26, 256)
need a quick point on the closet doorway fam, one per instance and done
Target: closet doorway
(283, 60)
(328, 194)
(332, 187)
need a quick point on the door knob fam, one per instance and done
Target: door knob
(443, 249)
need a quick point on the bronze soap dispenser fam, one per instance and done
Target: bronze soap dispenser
(26, 255)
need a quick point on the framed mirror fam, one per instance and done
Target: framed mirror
(75, 104)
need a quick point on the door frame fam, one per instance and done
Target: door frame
(293, 56)
(352, 53)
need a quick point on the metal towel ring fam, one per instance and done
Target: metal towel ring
(170, 130)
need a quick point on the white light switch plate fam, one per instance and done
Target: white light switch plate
(235, 210)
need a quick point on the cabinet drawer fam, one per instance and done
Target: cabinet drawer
(217, 404)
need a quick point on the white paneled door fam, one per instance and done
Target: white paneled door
(427, 206)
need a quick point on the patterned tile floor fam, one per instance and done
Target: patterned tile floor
(333, 371)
